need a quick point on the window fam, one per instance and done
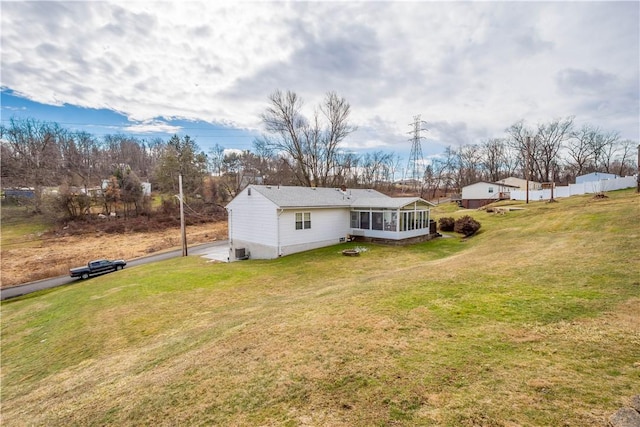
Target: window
(490, 189)
(390, 221)
(355, 219)
(303, 220)
(376, 220)
(364, 220)
(414, 220)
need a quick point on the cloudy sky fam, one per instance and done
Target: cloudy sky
(469, 69)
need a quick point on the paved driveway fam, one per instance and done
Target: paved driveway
(219, 252)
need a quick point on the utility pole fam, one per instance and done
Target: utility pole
(183, 231)
(553, 182)
(416, 160)
(526, 167)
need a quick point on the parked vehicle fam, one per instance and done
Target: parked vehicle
(96, 267)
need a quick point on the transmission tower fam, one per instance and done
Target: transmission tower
(415, 167)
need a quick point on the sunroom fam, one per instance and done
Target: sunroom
(397, 218)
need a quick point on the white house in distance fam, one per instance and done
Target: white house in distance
(267, 222)
(482, 193)
(521, 183)
(595, 177)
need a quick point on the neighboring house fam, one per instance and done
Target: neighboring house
(18, 193)
(266, 221)
(482, 193)
(595, 177)
(521, 183)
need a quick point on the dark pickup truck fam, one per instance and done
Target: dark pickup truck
(96, 267)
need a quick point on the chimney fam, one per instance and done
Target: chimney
(343, 187)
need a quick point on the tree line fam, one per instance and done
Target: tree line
(40, 155)
(296, 149)
(555, 151)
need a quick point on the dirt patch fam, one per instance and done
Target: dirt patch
(76, 243)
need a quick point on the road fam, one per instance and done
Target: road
(214, 250)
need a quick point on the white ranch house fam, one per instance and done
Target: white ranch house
(595, 177)
(520, 183)
(482, 193)
(267, 222)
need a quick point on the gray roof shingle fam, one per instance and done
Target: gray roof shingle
(312, 197)
(388, 203)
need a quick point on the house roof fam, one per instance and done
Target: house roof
(315, 197)
(387, 202)
(515, 179)
(604, 174)
(492, 183)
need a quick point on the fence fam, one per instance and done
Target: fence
(577, 189)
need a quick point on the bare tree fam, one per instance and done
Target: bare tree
(605, 149)
(625, 163)
(580, 149)
(129, 151)
(153, 149)
(130, 190)
(521, 141)
(394, 167)
(350, 170)
(540, 148)
(446, 170)
(550, 139)
(432, 178)
(80, 154)
(469, 164)
(111, 195)
(236, 168)
(216, 158)
(32, 147)
(511, 162)
(375, 167)
(310, 147)
(493, 152)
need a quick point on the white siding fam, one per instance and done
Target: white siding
(328, 226)
(253, 225)
(577, 189)
(480, 191)
(266, 232)
(521, 183)
(258, 225)
(594, 176)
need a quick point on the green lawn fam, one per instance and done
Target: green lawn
(535, 321)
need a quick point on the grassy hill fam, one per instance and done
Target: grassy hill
(534, 321)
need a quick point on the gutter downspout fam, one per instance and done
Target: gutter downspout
(280, 211)
(230, 234)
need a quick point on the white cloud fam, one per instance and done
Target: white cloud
(470, 69)
(152, 126)
(230, 151)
